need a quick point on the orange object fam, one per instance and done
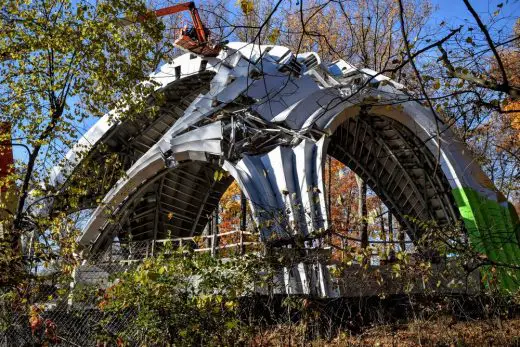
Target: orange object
(8, 200)
(6, 154)
(195, 39)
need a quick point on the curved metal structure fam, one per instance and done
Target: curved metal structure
(269, 117)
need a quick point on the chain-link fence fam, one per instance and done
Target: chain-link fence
(69, 314)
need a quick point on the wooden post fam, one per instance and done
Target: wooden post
(130, 249)
(214, 242)
(242, 250)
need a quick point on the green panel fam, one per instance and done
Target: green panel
(492, 231)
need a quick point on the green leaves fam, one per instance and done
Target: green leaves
(62, 64)
(70, 60)
(163, 293)
(219, 175)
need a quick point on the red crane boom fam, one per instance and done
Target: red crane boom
(195, 40)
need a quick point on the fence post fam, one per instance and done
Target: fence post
(214, 244)
(242, 250)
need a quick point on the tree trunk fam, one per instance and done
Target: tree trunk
(329, 193)
(362, 211)
(214, 232)
(391, 230)
(243, 211)
(384, 237)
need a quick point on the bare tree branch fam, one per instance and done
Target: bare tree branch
(512, 91)
(489, 41)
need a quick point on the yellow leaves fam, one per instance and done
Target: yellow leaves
(336, 272)
(274, 35)
(511, 61)
(396, 269)
(231, 324)
(513, 118)
(202, 301)
(247, 6)
(230, 214)
(231, 305)
(219, 175)
(162, 270)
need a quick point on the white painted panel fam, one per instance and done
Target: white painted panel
(207, 132)
(208, 146)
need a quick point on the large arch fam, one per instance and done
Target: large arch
(268, 117)
(398, 168)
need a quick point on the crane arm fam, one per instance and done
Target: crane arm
(187, 6)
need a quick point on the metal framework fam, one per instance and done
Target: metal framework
(268, 118)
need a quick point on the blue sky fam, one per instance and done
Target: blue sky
(453, 12)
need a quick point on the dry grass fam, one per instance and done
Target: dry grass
(438, 332)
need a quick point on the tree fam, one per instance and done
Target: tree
(230, 212)
(471, 85)
(362, 211)
(61, 64)
(363, 32)
(171, 307)
(507, 133)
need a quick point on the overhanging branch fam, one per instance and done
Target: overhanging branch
(512, 91)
